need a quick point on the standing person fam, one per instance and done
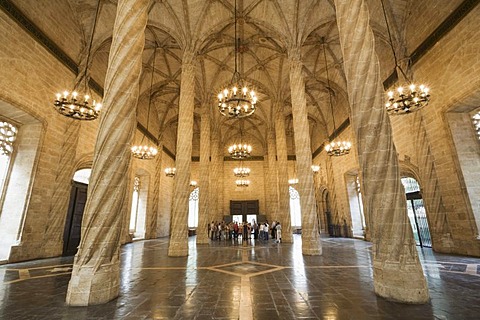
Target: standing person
(265, 230)
(274, 225)
(278, 232)
(255, 230)
(235, 230)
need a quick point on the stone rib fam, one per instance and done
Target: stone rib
(95, 276)
(397, 271)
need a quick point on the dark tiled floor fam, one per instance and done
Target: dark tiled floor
(238, 280)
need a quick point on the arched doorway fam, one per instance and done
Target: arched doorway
(416, 213)
(73, 222)
(193, 209)
(295, 209)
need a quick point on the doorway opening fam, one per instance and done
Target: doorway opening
(356, 205)
(295, 209)
(193, 209)
(138, 210)
(416, 213)
(73, 223)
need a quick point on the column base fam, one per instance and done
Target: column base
(178, 249)
(401, 283)
(311, 246)
(90, 287)
(203, 240)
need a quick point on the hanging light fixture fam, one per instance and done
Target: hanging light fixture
(240, 150)
(241, 171)
(238, 100)
(144, 151)
(315, 168)
(193, 183)
(242, 183)
(476, 123)
(405, 98)
(74, 105)
(293, 181)
(334, 148)
(170, 172)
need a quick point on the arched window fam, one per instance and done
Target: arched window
(295, 209)
(135, 202)
(82, 175)
(193, 209)
(8, 134)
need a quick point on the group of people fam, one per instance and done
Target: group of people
(228, 231)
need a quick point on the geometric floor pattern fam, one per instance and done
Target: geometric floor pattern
(235, 280)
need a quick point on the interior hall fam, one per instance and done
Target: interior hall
(239, 159)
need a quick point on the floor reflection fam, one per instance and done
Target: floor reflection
(249, 280)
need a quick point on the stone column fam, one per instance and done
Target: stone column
(52, 244)
(311, 244)
(283, 191)
(95, 276)
(151, 230)
(220, 181)
(181, 191)
(204, 191)
(213, 178)
(397, 272)
(272, 186)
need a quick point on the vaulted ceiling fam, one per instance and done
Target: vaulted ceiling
(266, 28)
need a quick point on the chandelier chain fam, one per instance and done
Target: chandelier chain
(97, 11)
(395, 59)
(328, 84)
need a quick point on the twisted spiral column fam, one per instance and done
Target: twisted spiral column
(214, 174)
(203, 217)
(178, 246)
(52, 244)
(311, 244)
(283, 191)
(397, 271)
(95, 276)
(151, 230)
(272, 189)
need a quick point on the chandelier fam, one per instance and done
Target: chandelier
(237, 100)
(241, 171)
(170, 172)
(293, 181)
(334, 148)
(144, 151)
(74, 105)
(193, 183)
(240, 150)
(408, 98)
(315, 168)
(8, 134)
(242, 183)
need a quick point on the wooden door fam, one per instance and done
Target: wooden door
(73, 223)
(244, 208)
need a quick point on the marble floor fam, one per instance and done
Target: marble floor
(235, 280)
